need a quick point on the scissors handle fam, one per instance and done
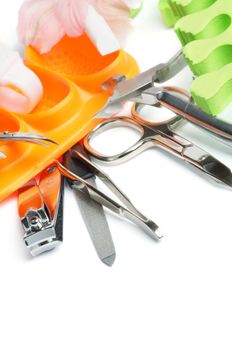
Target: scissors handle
(132, 151)
(147, 131)
(137, 108)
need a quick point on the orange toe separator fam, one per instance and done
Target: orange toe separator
(71, 74)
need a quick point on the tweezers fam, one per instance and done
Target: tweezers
(127, 211)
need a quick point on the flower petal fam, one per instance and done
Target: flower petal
(29, 15)
(72, 15)
(43, 23)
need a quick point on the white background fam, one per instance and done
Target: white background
(176, 294)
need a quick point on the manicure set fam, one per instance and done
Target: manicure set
(53, 104)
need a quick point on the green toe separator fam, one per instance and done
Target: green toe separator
(205, 31)
(169, 17)
(173, 10)
(134, 12)
(218, 93)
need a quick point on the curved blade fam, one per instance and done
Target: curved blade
(26, 137)
(166, 138)
(207, 163)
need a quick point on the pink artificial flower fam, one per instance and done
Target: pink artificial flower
(116, 13)
(43, 23)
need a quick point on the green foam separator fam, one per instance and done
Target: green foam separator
(135, 12)
(204, 28)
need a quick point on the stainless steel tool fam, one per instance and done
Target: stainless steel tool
(40, 205)
(127, 210)
(24, 137)
(92, 212)
(163, 135)
(145, 88)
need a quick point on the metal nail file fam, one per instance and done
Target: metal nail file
(92, 212)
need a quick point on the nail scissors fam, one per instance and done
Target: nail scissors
(24, 137)
(145, 89)
(163, 135)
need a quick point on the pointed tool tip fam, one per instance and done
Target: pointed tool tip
(109, 260)
(159, 234)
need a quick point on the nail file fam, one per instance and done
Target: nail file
(92, 212)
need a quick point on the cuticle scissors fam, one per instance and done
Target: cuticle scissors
(145, 89)
(161, 134)
(24, 137)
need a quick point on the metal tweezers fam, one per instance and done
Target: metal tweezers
(128, 211)
(144, 89)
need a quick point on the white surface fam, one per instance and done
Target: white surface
(171, 295)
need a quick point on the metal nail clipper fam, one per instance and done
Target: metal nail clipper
(40, 206)
(145, 89)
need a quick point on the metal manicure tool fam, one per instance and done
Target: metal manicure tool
(160, 134)
(92, 212)
(127, 210)
(24, 137)
(40, 206)
(144, 89)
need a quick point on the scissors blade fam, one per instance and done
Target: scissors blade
(166, 138)
(92, 212)
(207, 163)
